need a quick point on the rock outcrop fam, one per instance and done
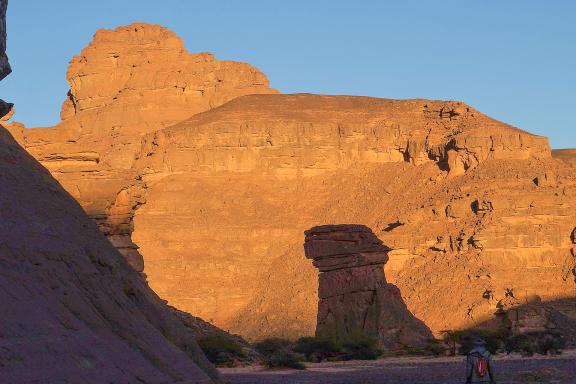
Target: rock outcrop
(127, 82)
(260, 169)
(478, 214)
(354, 297)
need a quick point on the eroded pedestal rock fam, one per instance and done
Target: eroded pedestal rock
(354, 297)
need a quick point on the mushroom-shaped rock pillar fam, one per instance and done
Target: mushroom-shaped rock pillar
(354, 297)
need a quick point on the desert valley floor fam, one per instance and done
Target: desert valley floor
(412, 370)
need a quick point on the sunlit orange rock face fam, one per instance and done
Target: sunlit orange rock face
(125, 83)
(478, 214)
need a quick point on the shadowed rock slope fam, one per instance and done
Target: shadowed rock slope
(71, 309)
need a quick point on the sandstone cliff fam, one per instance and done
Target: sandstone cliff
(127, 82)
(478, 214)
(459, 197)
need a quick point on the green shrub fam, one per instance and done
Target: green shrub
(318, 348)
(353, 347)
(284, 358)
(434, 347)
(220, 349)
(361, 348)
(551, 344)
(268, 346)
(544, 343)
(523, 344)
(494, 340)
(278, 353)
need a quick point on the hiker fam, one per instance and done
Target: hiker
(479, 366)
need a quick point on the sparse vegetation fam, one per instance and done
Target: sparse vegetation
(269, 346)
(318, 348)
(283, 353)
(220, 349)
(544, 343)
(435, 348)
(361, 348)
(279, 353)
(284, 358)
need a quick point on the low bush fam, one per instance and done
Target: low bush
(551, 344)
(361, 348)
(544, 343)
(434, 347)
(279, 353)
(284, 358)
(318, 348)
(221, 349)
(321, 348)
(268, 346)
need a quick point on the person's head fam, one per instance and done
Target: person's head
(479, 342)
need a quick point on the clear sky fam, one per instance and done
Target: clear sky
(512, 59)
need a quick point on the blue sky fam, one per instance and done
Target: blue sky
(514, 60)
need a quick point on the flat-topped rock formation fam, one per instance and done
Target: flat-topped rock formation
(478, 214)
(288, 135)
(354, 297)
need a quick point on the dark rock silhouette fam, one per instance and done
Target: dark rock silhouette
(4, 65)
(354, 297)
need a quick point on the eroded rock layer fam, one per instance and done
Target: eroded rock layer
(354, 298)
(466, 203)
(127, 82)
(478, 214)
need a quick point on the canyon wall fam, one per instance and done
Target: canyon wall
(478, 214)
(125, 83)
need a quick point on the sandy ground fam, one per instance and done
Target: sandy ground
(412, 370)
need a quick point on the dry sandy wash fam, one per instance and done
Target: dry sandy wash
(206, 179)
